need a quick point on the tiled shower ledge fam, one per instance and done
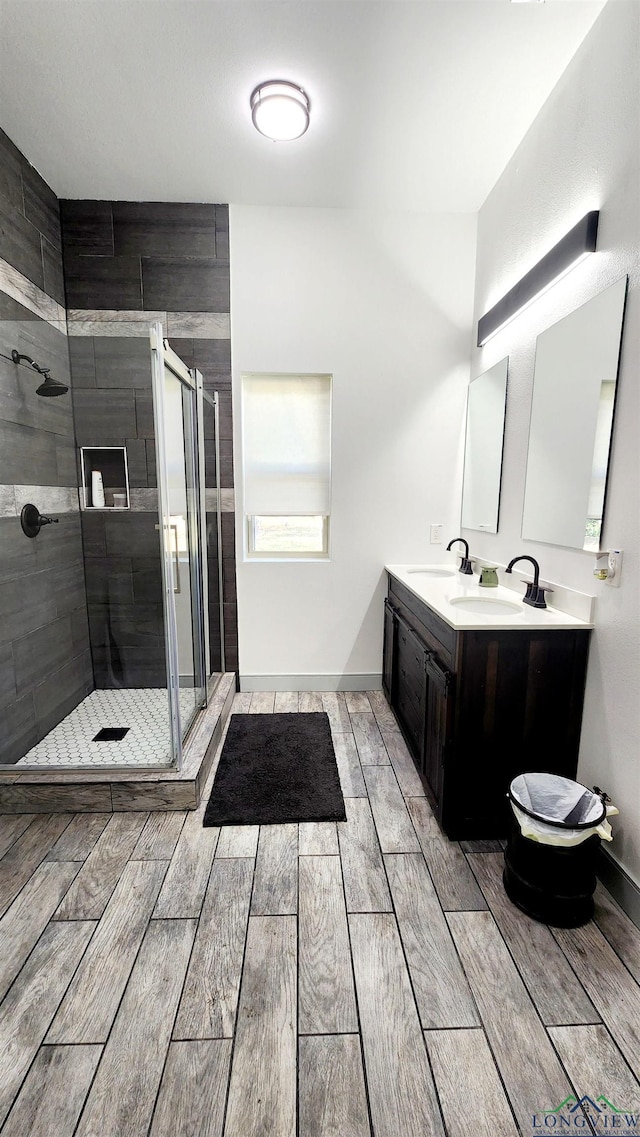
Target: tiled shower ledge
(102, 791)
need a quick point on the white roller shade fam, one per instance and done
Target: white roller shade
(286, 434)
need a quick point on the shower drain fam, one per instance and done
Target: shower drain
(111, 734)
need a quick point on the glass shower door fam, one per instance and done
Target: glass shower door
(175, 397)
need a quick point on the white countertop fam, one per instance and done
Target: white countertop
(438, 591)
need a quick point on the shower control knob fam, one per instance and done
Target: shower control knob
(32, 520)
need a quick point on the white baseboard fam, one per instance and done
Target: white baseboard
(310, 682)
(620, 885)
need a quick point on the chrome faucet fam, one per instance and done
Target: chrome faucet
(534, 595)
(465, 563)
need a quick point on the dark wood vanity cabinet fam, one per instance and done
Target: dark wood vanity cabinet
(476, 708)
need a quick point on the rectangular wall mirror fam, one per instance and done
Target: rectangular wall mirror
(483, 449)
(574, 388)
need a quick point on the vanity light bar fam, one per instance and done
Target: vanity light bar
(574, 246)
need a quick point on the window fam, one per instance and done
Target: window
(286, 445)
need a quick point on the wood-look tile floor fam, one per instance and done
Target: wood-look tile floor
(364, 979)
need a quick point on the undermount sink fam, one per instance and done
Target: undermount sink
(486, 605)
(432, 572)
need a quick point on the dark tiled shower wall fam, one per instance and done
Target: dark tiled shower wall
(146, 256)
(124, 597)
(30, 238)
(112, 407)
(45, 662)
(135, 257)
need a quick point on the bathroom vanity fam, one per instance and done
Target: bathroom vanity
(483, 687)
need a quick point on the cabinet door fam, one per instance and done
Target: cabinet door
(389, 650)
(411, 687)
(439, 719)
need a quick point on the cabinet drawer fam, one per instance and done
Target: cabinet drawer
(412, 664)
(413, 689)
(437, 635)
(411, 646)
(413, 721)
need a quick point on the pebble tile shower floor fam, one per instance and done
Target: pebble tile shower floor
(144, 710)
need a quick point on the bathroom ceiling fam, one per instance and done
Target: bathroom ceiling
(416, 104)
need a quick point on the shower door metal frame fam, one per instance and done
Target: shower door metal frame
(213, 399)
(163, 356)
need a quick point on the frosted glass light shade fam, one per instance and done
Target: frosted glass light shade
(280, 110)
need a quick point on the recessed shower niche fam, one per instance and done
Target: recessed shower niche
(105, 477)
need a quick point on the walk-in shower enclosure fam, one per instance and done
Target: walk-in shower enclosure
(128, 578)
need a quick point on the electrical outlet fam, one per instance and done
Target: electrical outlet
(436, 535)
(614, 565)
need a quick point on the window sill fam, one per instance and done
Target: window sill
(283, 558)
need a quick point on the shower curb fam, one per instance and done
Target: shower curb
(115, 791)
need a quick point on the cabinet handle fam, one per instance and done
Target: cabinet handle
(439, 674)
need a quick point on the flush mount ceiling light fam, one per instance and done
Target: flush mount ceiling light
(574, 247)
(280, 110)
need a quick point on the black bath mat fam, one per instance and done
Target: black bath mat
(276, 768)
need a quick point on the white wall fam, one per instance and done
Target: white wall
(581, 153)
(383, 302)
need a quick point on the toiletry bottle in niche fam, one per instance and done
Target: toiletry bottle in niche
(97, 490)
(489, 576)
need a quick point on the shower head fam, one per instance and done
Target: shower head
(50, 387)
